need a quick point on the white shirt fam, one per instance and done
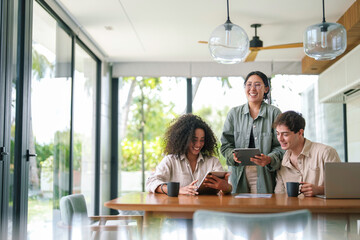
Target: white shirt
(174, 169)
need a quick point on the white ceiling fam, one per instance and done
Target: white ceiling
(168, 30)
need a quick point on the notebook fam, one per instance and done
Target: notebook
(342, 180)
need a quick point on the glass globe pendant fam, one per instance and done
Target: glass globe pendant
(228, 43)
(325, 41)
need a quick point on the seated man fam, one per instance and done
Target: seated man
(304, 160)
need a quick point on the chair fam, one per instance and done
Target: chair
(224, 225)
(74, 215)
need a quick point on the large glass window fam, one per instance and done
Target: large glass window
(84, 126)
(146, 106)
(50, 123)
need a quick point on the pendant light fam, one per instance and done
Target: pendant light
(228, 43)
(325, 41)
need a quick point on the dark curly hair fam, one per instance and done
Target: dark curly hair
(293, 120)
(182, 131)
(263, 77)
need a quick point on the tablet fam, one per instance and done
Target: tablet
(202, 190)
(244, 155)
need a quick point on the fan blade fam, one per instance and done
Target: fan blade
(252, 55)
(289, 45)
(203, 42)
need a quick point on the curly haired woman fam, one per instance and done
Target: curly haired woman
(190, 146)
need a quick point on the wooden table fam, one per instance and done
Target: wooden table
(160, 205)
(331, 218)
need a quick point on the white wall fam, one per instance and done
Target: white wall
(202, 69)
(341, 77)
(353, 124)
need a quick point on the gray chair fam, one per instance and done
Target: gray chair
(74, 215)
(224, 225)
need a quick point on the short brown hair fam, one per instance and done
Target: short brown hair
(293, 120)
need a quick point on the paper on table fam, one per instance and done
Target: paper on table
(252, 195)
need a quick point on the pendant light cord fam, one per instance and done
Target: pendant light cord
(323, 2)
(228, 16)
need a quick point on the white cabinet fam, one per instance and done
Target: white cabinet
(342, 79)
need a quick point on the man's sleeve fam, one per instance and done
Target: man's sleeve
(332, 155)
(280, 186)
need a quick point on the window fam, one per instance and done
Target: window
(154, 102)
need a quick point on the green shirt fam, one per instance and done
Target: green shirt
(236, 134)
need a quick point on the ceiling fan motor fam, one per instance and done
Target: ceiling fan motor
(256, 42)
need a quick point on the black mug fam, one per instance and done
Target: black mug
(172, 188)
(292, 189)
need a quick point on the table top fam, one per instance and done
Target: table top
(277, 203)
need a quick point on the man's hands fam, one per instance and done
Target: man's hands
(310, 190)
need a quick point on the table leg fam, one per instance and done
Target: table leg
(147, 217)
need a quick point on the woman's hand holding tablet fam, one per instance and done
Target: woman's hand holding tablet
(213, 182)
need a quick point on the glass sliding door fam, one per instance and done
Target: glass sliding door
(3, 158)
(38, 133)
(19, 166)
(50, 113)
(8, 52)
(84, 113)
(4, 170)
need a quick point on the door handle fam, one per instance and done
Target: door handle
(29, 155)
(3, 153)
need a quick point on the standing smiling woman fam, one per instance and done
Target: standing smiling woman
(250, 126)
(191, 146)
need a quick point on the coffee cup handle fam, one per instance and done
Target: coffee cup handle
(300, 184)
(161, 187)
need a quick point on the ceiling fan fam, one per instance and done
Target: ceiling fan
(256, 45)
